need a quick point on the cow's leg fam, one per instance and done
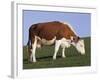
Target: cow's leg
(57, 45)
(34, 49)
(63, 52)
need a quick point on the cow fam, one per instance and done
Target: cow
(59, 33)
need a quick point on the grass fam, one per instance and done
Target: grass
(45, 54)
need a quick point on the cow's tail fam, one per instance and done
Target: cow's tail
(29, 37)
(29, 47)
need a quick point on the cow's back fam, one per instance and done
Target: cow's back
(49, 30)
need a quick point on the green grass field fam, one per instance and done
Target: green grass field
(45, 54)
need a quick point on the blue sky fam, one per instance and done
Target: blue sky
(81, 22)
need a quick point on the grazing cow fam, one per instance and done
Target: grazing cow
(55, 32)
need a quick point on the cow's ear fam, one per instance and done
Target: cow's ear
(75, 39)
(78, 37)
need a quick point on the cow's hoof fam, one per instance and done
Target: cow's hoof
(54, 58)
(82, 53)
(34, 61)
(63, 56)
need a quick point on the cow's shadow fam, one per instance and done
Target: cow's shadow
(25, 61)
(47, 57)
(44, 58)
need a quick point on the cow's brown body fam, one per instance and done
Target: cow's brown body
(49, 31)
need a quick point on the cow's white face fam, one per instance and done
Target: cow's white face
(80, 46)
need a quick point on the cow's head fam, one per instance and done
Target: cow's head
(79, 44)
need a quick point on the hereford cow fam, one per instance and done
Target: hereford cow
(55, 32)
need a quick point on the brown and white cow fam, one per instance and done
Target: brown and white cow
(55, 32)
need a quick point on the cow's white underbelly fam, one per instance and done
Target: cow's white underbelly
(47, 42)
(64, 42)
